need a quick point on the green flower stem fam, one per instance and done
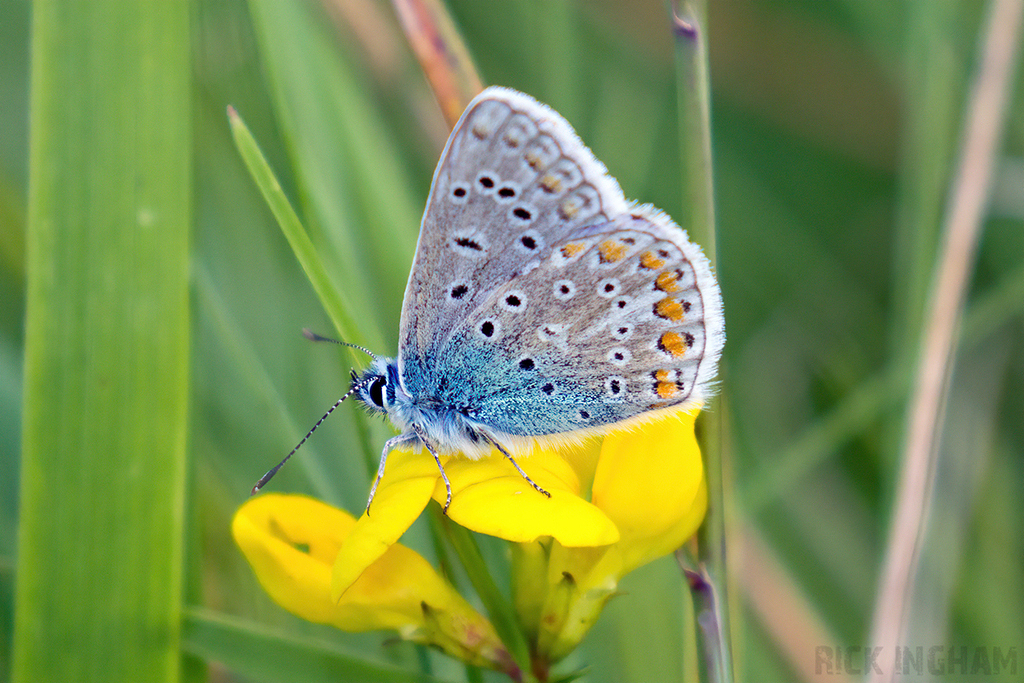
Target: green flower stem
(698, 218)
(714, 664)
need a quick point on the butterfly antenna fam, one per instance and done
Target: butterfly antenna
(270, 474)
(313, 336)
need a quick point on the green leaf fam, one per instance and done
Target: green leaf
(499, 609)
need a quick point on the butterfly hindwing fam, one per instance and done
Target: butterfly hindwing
(620, 319)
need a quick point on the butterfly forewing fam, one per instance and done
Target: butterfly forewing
(513, 180)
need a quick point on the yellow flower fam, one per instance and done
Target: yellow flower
(647, 496)
(291, 542)
(616, 504)
(488, 496)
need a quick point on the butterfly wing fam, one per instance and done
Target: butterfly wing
(618, 320)
(512, 181)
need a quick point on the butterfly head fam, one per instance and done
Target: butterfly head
(377, 386)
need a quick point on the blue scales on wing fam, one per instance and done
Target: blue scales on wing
(612, 325)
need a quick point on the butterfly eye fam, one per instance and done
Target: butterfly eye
(377, 391)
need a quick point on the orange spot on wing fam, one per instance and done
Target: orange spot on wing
(569, 208)
(611, 251)
(668, 281)
(550, 183)
(673, 344)
(532, 159)
(651, 262)
(666, 389)
(571, 249)
(669, 309)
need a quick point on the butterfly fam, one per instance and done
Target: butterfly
(541, 305)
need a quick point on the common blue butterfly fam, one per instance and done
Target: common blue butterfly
(541, 304)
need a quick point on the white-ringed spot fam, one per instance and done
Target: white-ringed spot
(608, 287)
(550, 332)
(459, 193)
(507, 192)
(529, 242)
(458, 290)
(488, 328)
(486, 182)
(564, 290)
(620, 303)
(469, 244)
(522, 214)
(619, 356)
(514, 301)
(622, 332)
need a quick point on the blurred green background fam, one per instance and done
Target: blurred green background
(835, 129)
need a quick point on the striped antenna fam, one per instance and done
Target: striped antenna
(313, 336)
(270, 474)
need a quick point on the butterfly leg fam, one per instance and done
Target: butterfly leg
(516, 465)
(430, 447)
(389, 445)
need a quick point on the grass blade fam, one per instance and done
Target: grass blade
(264, 654)
(442, 54)
(984, 125)
(333, 300)
(107, 344)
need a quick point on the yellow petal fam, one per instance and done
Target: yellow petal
(403, 493)
(489, 496)
(650, 482)
(290, 542)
